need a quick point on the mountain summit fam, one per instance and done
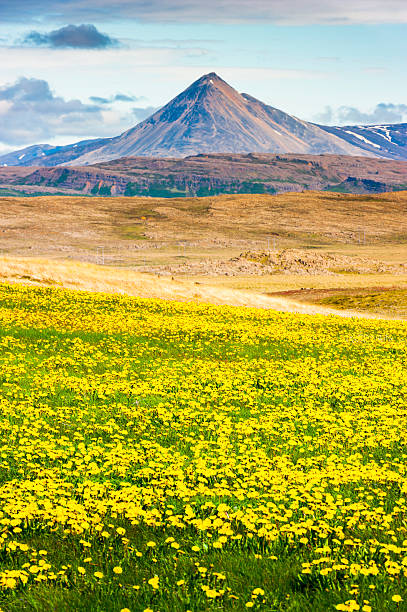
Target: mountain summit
(212, 117)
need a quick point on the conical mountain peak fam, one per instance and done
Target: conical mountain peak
(210, 76)
(210, 116)
(208, 83)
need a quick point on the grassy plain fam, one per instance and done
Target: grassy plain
(170, 456)
(161, 231)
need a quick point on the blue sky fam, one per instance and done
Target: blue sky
(327, 61)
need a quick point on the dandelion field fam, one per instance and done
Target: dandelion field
(169, 456)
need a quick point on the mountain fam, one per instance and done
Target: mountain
(48, 155)
(209, 175)
(208, 117)
(212, 117)
(384, 140)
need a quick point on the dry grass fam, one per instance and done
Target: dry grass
(90, 277)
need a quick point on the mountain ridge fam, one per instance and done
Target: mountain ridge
(389, 139)
(209, 175)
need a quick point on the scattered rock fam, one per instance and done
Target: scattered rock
(286, 261)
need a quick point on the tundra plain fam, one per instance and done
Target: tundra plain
(292, 246)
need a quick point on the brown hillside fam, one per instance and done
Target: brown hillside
(215, 174)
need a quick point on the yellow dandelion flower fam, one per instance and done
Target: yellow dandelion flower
(258, 591)
(154, 582)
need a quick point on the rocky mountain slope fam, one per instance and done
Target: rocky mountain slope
(204, 175)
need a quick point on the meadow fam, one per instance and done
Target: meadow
(164, 456)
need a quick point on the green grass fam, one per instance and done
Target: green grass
(393, 301)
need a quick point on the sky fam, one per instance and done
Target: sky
(77, 69)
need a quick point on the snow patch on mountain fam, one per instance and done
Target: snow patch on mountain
(373, 144)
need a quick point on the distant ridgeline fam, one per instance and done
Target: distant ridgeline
(208, 175)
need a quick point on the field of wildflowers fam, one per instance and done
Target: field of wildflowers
(162, 456)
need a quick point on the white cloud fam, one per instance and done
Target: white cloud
(24, 59)
(5, 106)
(349, 115)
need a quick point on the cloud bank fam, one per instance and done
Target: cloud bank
(295, 12)
(30, 112)
(84, 36)
(349, 115)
